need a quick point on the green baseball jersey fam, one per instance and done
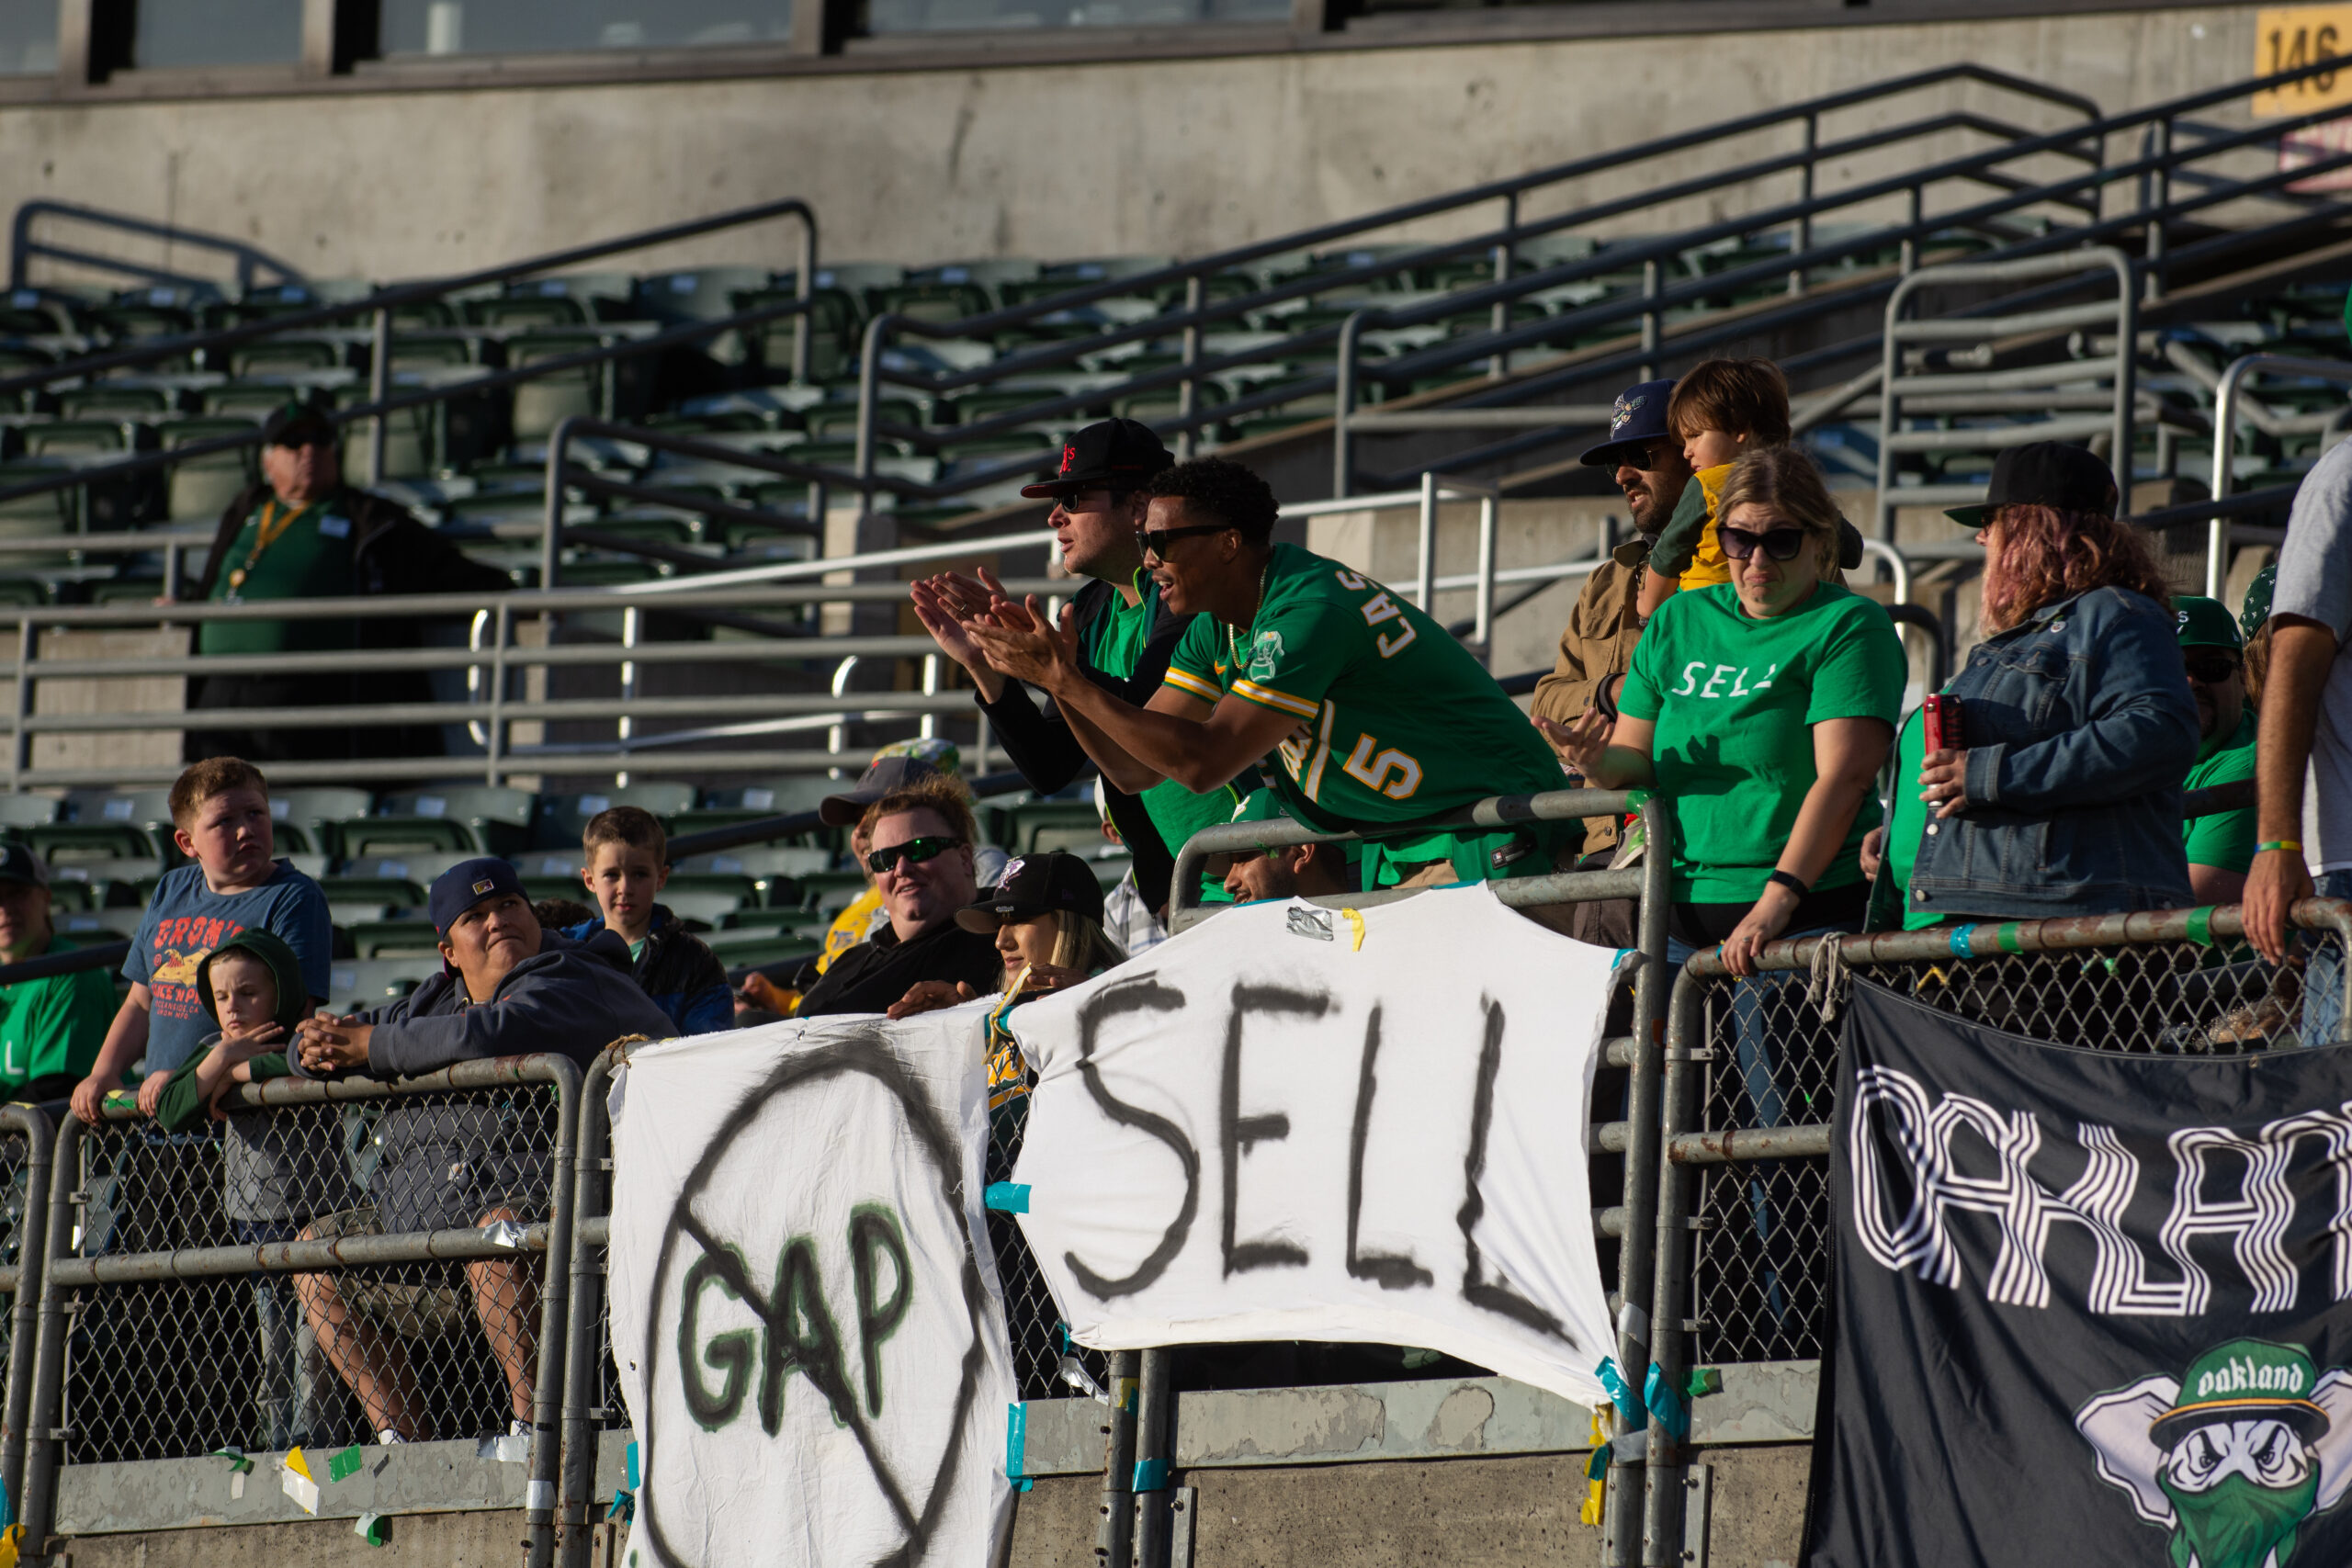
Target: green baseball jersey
(53, 1025)
(2226, 838)
(1397, 722)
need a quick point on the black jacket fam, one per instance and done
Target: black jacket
(392, 552)
(683, 975)
(444, 1161)
(877, 972)
(1040, 743)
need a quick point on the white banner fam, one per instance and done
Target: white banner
(1300, 1124)
(805, 1309)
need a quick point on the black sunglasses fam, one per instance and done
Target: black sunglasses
(1780, 543)
(914, 851)
(2210, 669)
(1155, 540)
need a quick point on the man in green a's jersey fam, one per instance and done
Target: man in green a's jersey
(1380, 719)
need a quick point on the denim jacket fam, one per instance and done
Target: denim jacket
(2079, 727)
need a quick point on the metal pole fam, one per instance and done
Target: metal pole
(2127, 371)
(2156, 195)
(2226, 446)
(1637, 1252)
(1186, 396)
(804, 282)
(1343, 399)
(44, 1432)
(1911, 239)
(1662, 1504)
(927, 725)
(1805, 196)
(1115, 1531)
(18, 761)
(1649, 322)
(869, 368)
(379, 388)
(546, 1392)
(1499, 366)
(495, 744)
(551, 532)
(630, 620)
(1155, 1453)
(1483, 623)
(1425, 565)
(24, 1312)
(583, 1344)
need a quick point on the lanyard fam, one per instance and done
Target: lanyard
(267, 531)
(1240, 666)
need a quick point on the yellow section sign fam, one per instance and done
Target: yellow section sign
(2302, 35)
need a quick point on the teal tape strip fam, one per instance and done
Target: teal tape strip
(1632, 1413)
(1151, 1475)
(1597, 1467)
(632, 1467)
(1016, 1442)
(1007, 1197)
(1961, 947)
(1666, 1406)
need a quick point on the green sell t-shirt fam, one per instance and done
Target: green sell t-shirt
(2226, 839)
(1906, 820)
(55, 1025)
(1120, 639)
(1400, 722)
(1734, 699)
(311, 559)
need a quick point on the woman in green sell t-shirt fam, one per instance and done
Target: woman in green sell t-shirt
(1763, 708)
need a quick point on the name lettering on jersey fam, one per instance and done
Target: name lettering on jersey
(1304, 751)
(1371, 769)
(1348, 579)
(1381, 607)
(1717, 675)
(1378, 608)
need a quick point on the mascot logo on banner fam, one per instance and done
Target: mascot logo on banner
(771, 1326)
(2232, 1457)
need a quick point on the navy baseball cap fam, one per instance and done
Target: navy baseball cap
(1637, 416)
(1035, 884)
(466, 883)
(19, 863)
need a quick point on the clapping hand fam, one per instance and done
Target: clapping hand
(1021, 641)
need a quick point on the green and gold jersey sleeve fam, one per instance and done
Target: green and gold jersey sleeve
(1298, 651)
(1197, 668)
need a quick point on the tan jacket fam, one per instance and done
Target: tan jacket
(1599, 642)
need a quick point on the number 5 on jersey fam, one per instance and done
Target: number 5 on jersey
(1373, 769)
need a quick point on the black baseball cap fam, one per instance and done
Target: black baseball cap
(297, 422)
(466, 883)
(902, 764)
(2044, 473)
(1638, 416)
(1035, 884)
(19, 863)
(1121, 453)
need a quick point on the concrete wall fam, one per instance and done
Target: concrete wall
(1167, 156)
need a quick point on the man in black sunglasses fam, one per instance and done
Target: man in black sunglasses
(2220, 847)
(1126, 633)
(921, 860)
(1380, 719)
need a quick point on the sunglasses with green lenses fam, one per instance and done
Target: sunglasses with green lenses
(914, 851)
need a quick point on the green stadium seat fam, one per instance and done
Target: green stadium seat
(832, 320)
(418, 351)
(29, 810)
(349, 912)
(317, 810)
(398, 892)
(37, 516)
(413, 939)
(700, 295)
(708, 909)
(76, 438)
(369, 837)
(204, 485)
(140, 808)
(777, 796)
(103, 872)
(100, 924)
(417, 866)
(530, 312)
(365, 983)
(541, 404)
(65, 841)
(285, 356)
(551, 866)
(753, 949)
(562, 817)
(110, 402)
(500, 816)
(759, 861)
(313, 866)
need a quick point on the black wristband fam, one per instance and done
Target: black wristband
(1791, 883)
(1601, 700)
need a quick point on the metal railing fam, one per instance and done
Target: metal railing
(152, 1281)
(1742, 1218)
(2230, 398)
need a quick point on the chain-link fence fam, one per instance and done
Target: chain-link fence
(319, 1266)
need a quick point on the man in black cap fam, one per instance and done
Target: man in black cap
(507, 988)
(1126, 634)
(303, 534)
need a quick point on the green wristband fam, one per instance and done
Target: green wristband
(2287, 845)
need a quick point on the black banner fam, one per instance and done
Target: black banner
(2091, 1308)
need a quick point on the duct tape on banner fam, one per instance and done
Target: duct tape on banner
(370, 1528)
(1007, 1197)
(1151, 1475)
(1632, 1416)
(1016, 1443)
(1633, 1324)
(1666, 1405)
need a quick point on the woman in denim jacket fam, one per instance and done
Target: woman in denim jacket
(2077, 725)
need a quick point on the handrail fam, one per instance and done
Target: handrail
(23, 247)
(384, 300)
(2226, 398)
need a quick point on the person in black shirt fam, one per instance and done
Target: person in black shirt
(921, 862)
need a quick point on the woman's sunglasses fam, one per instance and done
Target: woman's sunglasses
(914, 851)
(1780, 544)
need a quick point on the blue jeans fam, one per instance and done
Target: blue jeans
(297, 1389)
(1760, 1059)
(2324, 976)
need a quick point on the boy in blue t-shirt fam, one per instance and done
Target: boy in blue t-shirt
(219, 818)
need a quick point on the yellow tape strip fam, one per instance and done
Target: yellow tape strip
(1356, 921)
